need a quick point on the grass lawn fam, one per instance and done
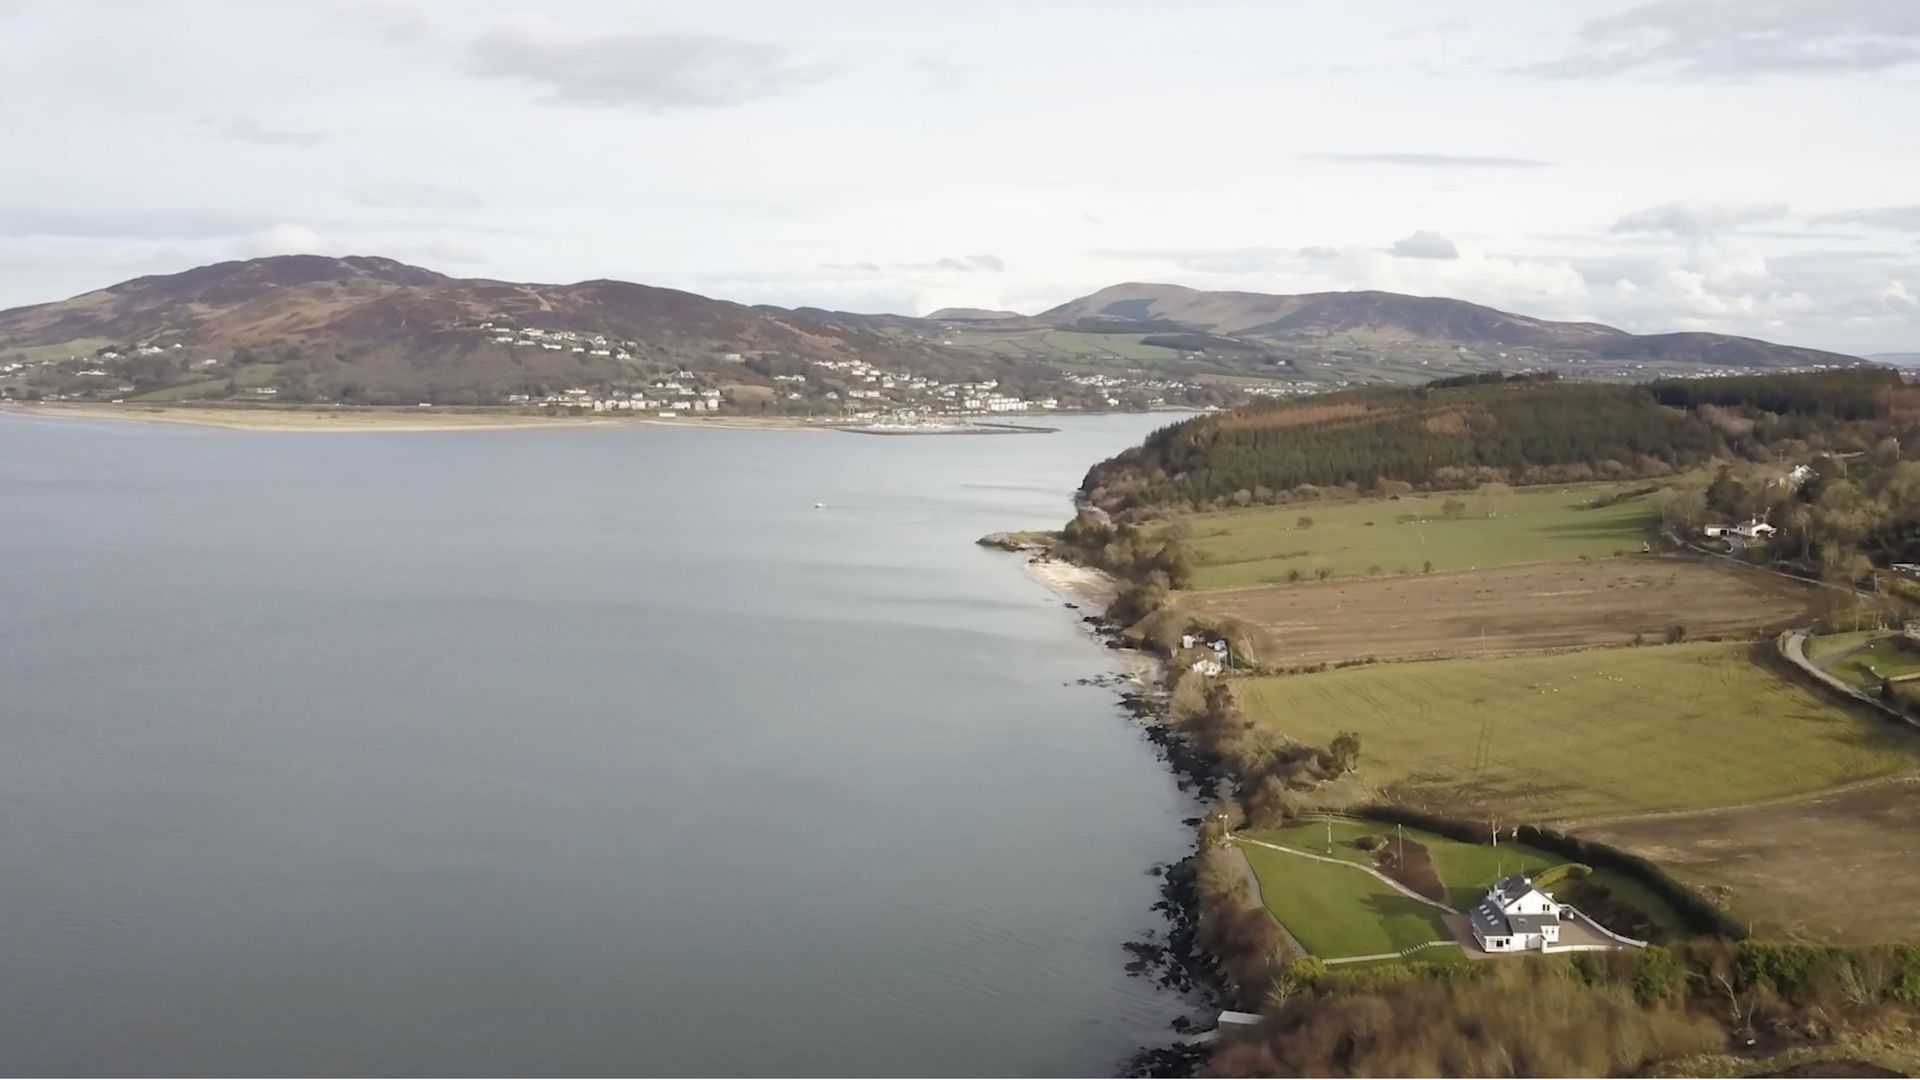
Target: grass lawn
(1465, 869)
(1878, 658)
(1821, 646)
(1594, 733)
(1335, 911)
(1547, 524)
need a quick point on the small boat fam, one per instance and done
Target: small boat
(819, 506)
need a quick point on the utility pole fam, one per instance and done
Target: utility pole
(1329, 836)
(1403, 845)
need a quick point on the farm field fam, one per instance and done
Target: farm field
(1798, 869)
(1463, 871)
(1335, 911)
(1387, 536)
(1511, 609)
(1063, 345)
(1584, 734)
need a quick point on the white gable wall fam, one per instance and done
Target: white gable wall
(1533, 903)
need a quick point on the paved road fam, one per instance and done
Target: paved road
(1793, 646)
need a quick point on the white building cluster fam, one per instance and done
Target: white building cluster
(534, 337)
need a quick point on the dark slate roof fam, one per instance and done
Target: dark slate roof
(1488, 920)
(1491, 921)
(1510, 888)
(1531, 924)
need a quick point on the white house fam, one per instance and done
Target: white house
(1753, 529)
(1515, 916)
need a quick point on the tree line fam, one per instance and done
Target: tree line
(1463, 432)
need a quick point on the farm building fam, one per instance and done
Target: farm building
(1753, 529)
(1515, 916)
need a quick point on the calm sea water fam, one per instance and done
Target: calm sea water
(595, 751)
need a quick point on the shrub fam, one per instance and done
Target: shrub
(1553, 875)
(1656, 975)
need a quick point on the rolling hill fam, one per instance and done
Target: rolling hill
(1383, 320)
(373, 329)
(1476, 429)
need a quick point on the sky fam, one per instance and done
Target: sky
(1744, 166)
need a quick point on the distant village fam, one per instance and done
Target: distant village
(647, 382)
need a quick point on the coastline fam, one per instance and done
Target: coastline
(1091, 590)
(303, 420)
(307, 419)
(1170, 955)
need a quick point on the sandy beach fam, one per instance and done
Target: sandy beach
(1093, 590)
(1090, 588)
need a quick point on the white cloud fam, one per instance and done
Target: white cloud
(1895, 218)
(1434, 161)
(650, 69)
(1698, 218)
(734, 149)
(284, 239)
(255, 130)
(1425, 244)
(1737, 39)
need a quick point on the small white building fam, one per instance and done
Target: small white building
(1753, 529)
(1514, 916)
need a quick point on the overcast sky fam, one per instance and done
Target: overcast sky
(1747, 166)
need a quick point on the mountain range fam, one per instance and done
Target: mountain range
(374, 329)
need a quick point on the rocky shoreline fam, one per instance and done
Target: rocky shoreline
(1171, 958)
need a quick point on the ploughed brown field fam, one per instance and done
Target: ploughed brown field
(1838, 867)
(1508, 609)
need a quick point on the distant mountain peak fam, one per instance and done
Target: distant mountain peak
(968, 314)
(1370, 317)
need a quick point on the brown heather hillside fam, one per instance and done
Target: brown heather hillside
(372, 328)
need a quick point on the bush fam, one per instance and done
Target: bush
(1656, 976)
(1553, 875)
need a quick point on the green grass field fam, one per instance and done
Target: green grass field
(1821, 646)
(1548, 524)
(1872, 657)
(1465, 869)
(1058, 345)
(1594, 733)
(1335, 911)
